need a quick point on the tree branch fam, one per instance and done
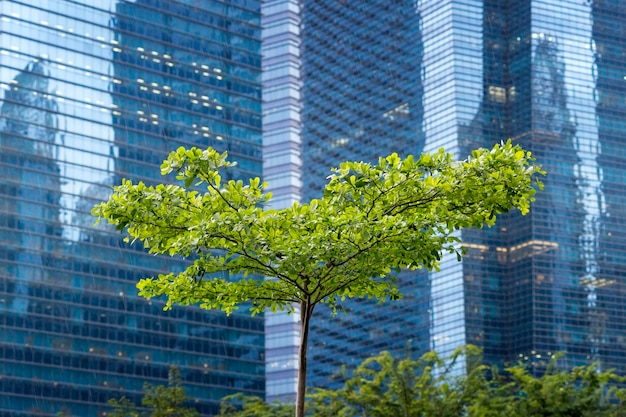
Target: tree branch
(383, 192)
(255, 297)
(219, 193)
(411, 204)
(324, 278)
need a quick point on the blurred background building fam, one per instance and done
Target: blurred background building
(96, 91)
(93, 92)
(358, 80)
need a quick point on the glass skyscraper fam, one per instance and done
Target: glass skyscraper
(370, 78)
(342, 81)
(362, 90)
(93, 92)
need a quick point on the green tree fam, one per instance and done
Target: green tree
(584, 391)
(386, 387)
(159, 401)
(371, 221)
(383, 386)
(239, 405)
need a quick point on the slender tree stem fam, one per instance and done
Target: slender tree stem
(306, 310)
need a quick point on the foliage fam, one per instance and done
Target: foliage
(160, 401)
(371, 221)
(431, 387)
(385, 387)
(239, 405)
(585, 391)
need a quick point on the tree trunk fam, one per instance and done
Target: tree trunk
(306, 310)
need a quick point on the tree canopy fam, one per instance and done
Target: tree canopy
(372, 220)
(159, 401)
(384, 386)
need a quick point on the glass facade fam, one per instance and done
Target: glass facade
(362, 98)
(412, 76)
(282, 167)
(93, 92)
(547, 282)
(607, 294)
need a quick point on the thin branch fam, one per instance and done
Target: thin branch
(217, 190)
(406, 205)
(324, 278)
(287, 299)
(381, 192)
(248, 283)
(336, 289)
(367, 248)
(385, 191)
(264, 269)
(274, 273)
(132, 220)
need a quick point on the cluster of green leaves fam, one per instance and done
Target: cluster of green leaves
(431, 387)
(383, 386)
(582, 392)
(159, 401)
(240, 405)
(371, 220)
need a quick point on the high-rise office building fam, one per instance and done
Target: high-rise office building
(364, 105)
(342, 81)
(93, 92)
(369, 78)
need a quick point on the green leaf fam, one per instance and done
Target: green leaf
(370, 221)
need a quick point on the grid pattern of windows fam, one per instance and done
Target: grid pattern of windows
(562, 289)
(606, 296)
(412, 76)
(92, 94)
(361, 99)
(282, 165)
(362, 88)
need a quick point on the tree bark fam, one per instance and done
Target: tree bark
(306, 310)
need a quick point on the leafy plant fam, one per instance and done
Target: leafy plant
(371, 221)
(384, 386)
(159, 401)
